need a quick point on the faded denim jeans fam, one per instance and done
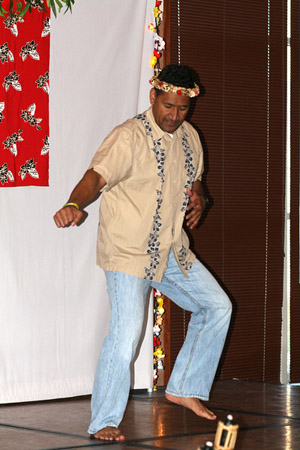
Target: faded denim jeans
(197, 361)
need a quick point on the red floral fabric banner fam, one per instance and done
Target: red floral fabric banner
(24, 98)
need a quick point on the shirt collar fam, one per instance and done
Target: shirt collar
(157, 132)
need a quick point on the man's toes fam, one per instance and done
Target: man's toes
(121, 437)
(109, 434)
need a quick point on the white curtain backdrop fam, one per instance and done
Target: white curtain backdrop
(54, 310)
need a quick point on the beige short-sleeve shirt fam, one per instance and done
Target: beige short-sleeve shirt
(144, 202)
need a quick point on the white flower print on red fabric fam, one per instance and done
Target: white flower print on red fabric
(45, 149)
(46, 29)
(30, 49)
(11, 142)
(43, 82)
(28, 116)
(2, 106)
(12, 79)
(5, 174)
(5, 54)
(28, 168)
(11, 23)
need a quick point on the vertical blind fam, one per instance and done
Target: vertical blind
(239, 51)
(295, 252)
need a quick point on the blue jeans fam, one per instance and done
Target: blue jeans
(197, 361)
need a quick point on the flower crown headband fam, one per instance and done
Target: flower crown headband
(168, 87)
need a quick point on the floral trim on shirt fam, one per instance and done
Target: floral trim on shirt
(182, 258)
(146, 124)
(189, 167)
(153, 242)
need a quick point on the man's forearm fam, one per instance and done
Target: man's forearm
(87, 189)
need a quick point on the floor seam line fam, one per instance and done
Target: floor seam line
(38, 430)
(149, 438)
(254, 413)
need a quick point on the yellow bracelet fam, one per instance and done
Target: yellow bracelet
(72, 204)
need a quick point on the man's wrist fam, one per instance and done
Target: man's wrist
(202, 194)
(71, 204)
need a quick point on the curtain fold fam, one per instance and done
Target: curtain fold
(54, 309)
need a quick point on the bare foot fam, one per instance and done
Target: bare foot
(109, 434)
(194, 404)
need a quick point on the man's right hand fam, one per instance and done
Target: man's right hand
(84, 193)
(68, 216)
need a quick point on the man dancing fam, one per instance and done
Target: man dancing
(149, 170)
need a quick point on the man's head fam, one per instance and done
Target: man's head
(170, 98)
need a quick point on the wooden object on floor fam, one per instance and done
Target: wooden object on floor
(231, 436)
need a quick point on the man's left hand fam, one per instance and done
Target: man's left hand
(195, 208)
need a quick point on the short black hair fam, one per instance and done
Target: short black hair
(177, 75)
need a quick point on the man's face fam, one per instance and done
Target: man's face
(169, 110)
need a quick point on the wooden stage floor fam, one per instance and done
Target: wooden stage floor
(268, 416)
